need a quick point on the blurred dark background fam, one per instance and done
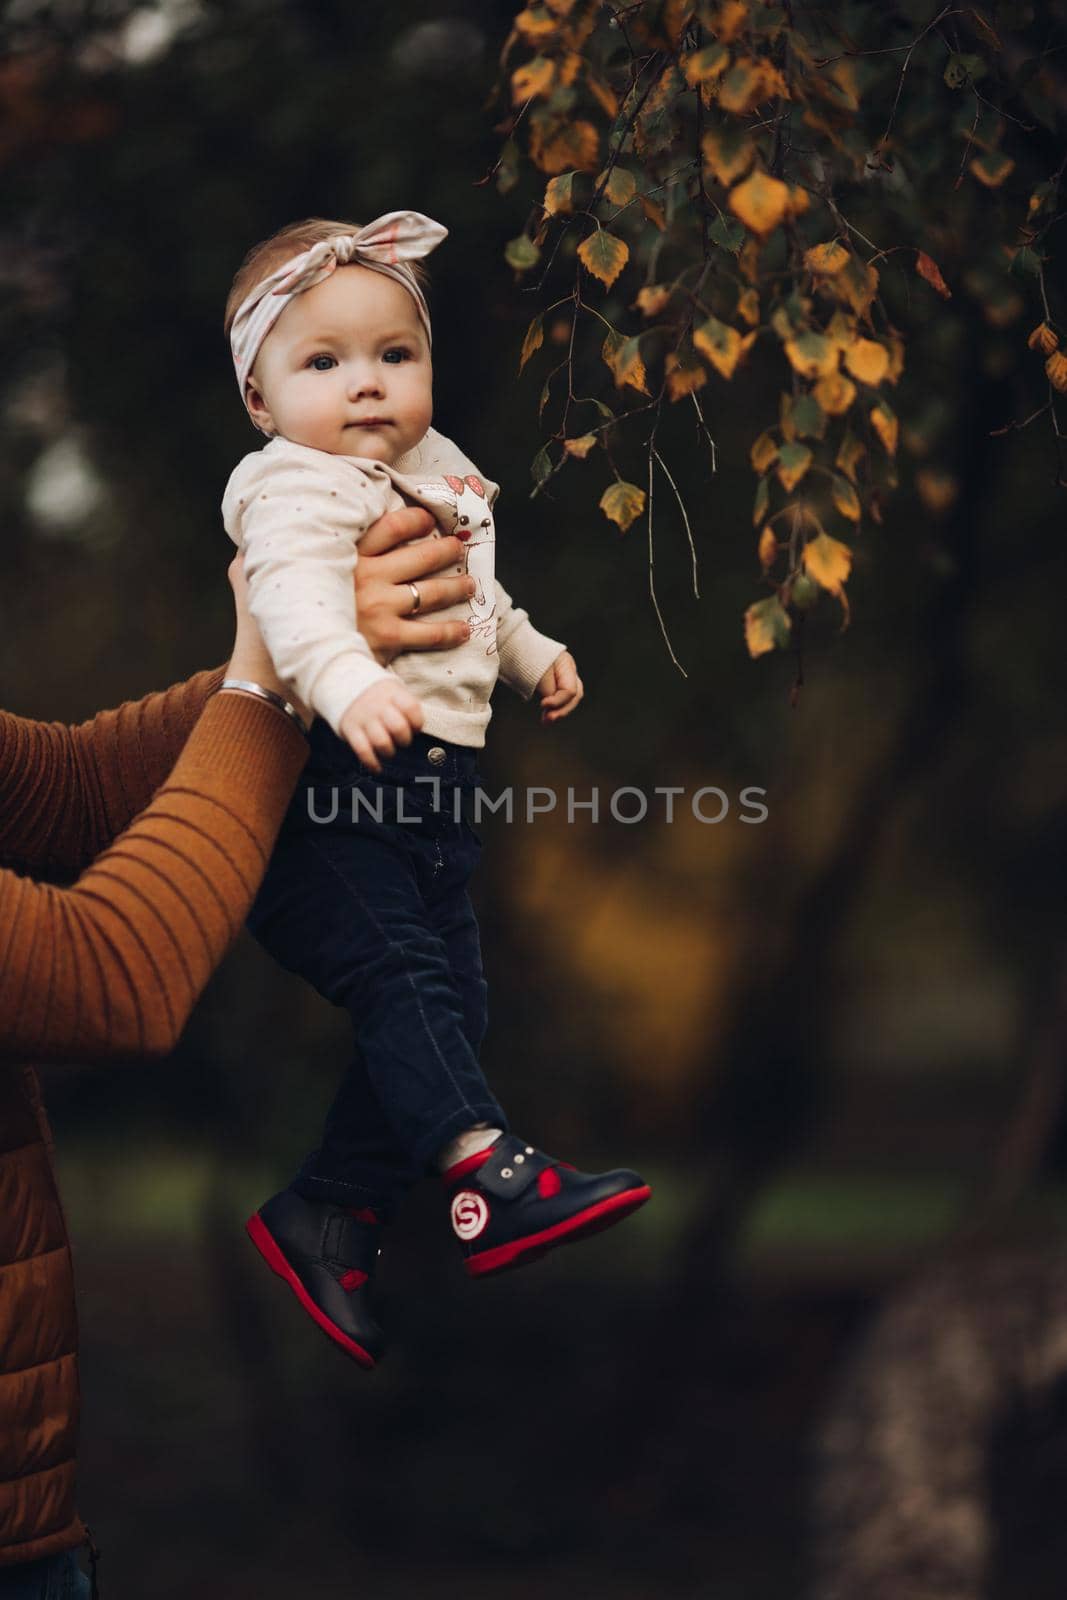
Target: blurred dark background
(835, 1343)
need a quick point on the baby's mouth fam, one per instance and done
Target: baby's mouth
(370, 422)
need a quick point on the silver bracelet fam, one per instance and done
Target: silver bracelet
(245, 686)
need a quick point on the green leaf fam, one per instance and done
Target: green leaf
(541, 466)
(767, 626)
(793, 462)
(727, 233)
(963, 70)
(522, 253)
(1026, 263)
(809, 418)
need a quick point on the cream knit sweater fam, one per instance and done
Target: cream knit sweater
(299, 514)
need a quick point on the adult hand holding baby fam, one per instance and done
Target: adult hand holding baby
(389, 563)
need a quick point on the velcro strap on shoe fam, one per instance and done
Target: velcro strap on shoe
(349, 1243)
(511, 1169)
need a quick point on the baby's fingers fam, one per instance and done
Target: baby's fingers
(380, 738)
(362, 747)
(399, 724)
(558, 697)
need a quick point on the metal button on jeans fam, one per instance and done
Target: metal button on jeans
(435, 755)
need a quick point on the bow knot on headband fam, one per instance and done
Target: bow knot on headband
(385, 245)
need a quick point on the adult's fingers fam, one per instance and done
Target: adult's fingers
(435, 594)
(395, 528)
(429, 635)
(420, 560)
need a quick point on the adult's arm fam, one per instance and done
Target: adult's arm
(65, 792)
(113, 965)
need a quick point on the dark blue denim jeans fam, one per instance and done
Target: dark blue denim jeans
(54, 1578)
(366, 897)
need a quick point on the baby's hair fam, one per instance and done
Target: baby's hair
(263, 258)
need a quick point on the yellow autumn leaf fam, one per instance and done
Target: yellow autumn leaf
(581, 446)
(535, 338)
(558, 195)
(857, 285)
(748, 306)
(835, 394)
(1056, 370)
(841, 330)
(654, 213)
(705, 66)
(728, 154)
(764, 452)
(605, 97)
(886, 427)
(799, 200)
(992, 167)
(826, 260)
(850, 453)
(604, 256)
(651, 299)
(623, 503)
(845, 498)
(1043, 339)
(767, 627)
(623, 357)
(812, 355)
(567, 144)
(867, 360)
(749, 82)
(534, 23)
(828, 561)
(938, 489)
(728, 20)
(683, 377)
(533, 79)
(620, 187)
(722, 345)
(761, 202)
(793, 462)
(768, 548)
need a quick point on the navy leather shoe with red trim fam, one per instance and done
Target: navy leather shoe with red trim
(327, 1255)
(511, 1203)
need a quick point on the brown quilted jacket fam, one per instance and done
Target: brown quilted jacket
(109, 967)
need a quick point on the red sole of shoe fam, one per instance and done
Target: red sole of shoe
(264, 1242)
(594, 1219)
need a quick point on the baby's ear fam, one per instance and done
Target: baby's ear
(476, 485)
(257, 409)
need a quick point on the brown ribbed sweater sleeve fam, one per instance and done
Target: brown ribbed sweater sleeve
(66, 792)
(113, 965)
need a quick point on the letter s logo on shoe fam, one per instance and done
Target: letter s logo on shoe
(469, 1214)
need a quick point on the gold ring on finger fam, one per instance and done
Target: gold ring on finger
(416, 600)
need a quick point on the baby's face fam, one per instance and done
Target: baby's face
(346, 369)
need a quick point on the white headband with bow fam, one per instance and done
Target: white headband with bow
(385, 245)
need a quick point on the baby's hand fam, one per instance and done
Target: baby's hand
(560, 688)
(379, 719)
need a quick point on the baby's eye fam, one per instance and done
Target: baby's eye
(397, 354)
(322, 363)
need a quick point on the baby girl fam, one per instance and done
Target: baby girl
(367, 898)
